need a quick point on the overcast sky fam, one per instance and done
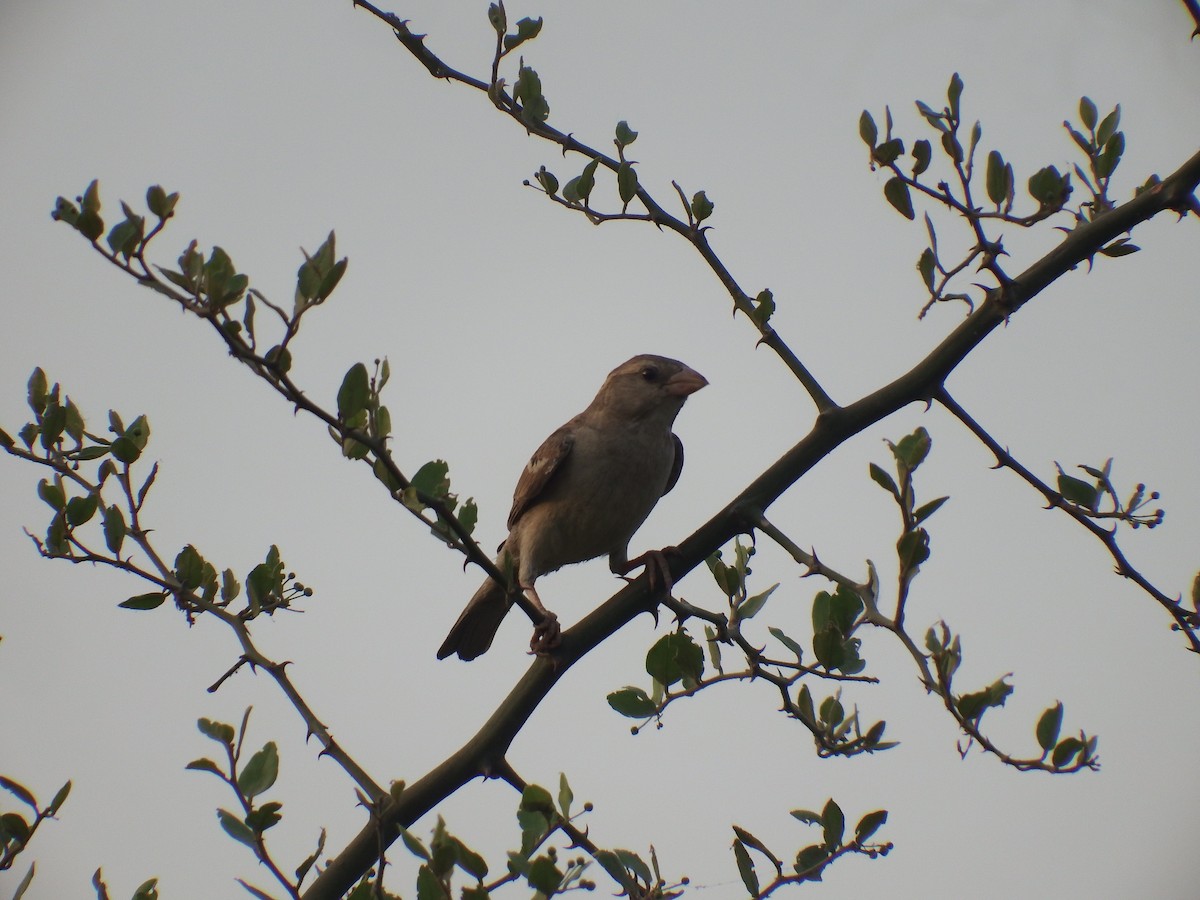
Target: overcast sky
(500, 314)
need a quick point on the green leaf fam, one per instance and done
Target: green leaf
(565, 796)
(751, 841)
(264, 817)
(810, 861)
(235, 827)
(354, 393)
(587, 180)
(22, 793)
(745, 868)
(702, 207)
(230, 587)
(432, 479)
(527, 30)
(997, 184)
(786, 641)
(625, 135)
(125, 236)
(1087, 113)
(497, 17)
(632, 702)
(219, 731)
(764, 308)
(1048, 727)
(528, 92)
(1120, 247)
(884, 480)
(59, 799)
(310, 861)
(15, 826)
(867, 129)
(832, 711)
(954, 93)
(627, 183)
(160, 203)
(1110, 156)
(869, 824)
(189, 568)
(612, 864)
(896, 193)
(38, 389)
(414, 845)
(807, 816)
(547, 180)
(52, 493)
(673, 657)
(1065, 752)
(835, 824)
(91, 197)
(81, 509)
(922, 154)
(912, 449)
(952, 147)
(888, 152)
(144, 601)
(753, 604)
(926, 263)
(912, 549)
(260, 772)
(925, 511)
(1108, 127)
(90, 225)
(1077, 491)
(1048, 188)
(205, 765)
(543, 875)
(972, 706)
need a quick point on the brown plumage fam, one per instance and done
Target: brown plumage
(584, 493)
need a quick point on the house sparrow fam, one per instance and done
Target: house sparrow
(584, 493)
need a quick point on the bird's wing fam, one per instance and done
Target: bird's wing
(676, 464)
(540, 469)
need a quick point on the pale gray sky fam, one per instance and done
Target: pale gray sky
(500, 314)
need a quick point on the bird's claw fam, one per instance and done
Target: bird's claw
(547, 635)
(657, 569)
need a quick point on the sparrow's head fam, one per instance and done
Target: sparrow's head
(648, 385)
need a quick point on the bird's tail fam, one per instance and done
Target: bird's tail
(472, 634)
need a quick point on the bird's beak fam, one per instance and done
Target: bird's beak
(686, 382)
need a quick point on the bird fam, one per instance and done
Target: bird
(583, 494)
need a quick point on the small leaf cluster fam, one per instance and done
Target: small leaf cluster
(129, 237)
(1099, 499)
(834, 732)
(539, 865)
(439, 858)
(528, 102)
(58, 439)
(249, 780)
(811, 861)
(147, 890)
(912, 547)
(1099, 139)
(1058, 755)
(538, 817)
(17, 828)
(731, 579)
(675, 658)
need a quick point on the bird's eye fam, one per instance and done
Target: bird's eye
(650, 373)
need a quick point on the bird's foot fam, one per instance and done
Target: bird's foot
(658, 570)
(547, 635)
